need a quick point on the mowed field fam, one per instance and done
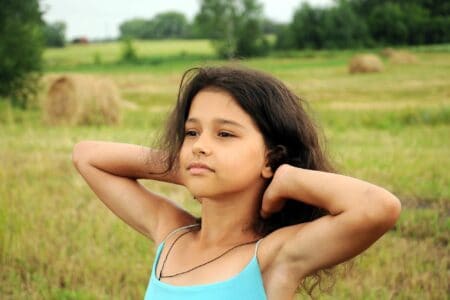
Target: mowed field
(58, 241)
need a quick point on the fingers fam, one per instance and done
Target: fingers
(264, 214)
(268, 209)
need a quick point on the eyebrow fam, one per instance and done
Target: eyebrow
(219, 121)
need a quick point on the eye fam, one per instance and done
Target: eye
(190, 133)
(225, 134)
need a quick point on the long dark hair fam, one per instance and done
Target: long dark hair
(289, 132)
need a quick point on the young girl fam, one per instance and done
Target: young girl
(273, 210)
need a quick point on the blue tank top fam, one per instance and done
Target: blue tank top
(247, 284)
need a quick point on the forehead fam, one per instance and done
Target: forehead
(214, 103)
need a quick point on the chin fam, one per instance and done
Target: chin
(197, 194)
(200, 192)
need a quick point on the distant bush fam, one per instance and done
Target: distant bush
(128, 54)
(97, 58)
(55, 34)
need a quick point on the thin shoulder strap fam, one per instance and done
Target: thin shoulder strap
(177, 230)
(257, 244)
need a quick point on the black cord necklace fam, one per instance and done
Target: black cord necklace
(201, 265)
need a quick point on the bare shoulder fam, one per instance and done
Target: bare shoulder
(171, 217)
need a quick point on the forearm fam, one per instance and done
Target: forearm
(336, 193)
(125, 160)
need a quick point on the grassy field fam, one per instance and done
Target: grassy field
(106, 53)
(57, 241)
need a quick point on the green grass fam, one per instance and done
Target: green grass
(107, 53)
(57, 241)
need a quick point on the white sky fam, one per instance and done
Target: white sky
(101, 18)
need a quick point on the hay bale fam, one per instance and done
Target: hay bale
(365, 63)
(387, 52)
(402, 57)
(82, 100)
(399, 56)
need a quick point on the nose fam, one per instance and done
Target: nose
(201, 146)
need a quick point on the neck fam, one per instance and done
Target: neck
(229, 220)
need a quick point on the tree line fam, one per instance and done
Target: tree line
(368, 23)
(238, 27)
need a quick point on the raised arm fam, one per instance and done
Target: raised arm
(360, 213)
(112, 170)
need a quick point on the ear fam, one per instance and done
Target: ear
(267, 172)
(274, 157)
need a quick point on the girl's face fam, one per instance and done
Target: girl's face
(223, 150)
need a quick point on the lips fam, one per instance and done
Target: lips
(197, 166)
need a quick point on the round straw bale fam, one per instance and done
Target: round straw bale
(365, 63)
(402, 57)
(387, 52)
(82, 100)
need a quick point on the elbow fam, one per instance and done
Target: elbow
(392, 209)
(385, 208)
(79, 152)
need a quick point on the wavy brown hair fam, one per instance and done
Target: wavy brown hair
(290, 134)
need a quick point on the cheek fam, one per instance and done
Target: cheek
(248, 160)
(183, 153)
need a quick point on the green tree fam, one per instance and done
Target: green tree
(21, 46)
(162, 26)
(387, 24)
(405, 21)
(235, 27)
(55, 34)
(307, 27)
(136, 29)
(285, 38)
(216, 21)
(170, 25)
(343, 28)
(338, 26)
(437, 30)
(271, 27)
(251, 40)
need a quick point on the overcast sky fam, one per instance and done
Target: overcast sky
(101, 18)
